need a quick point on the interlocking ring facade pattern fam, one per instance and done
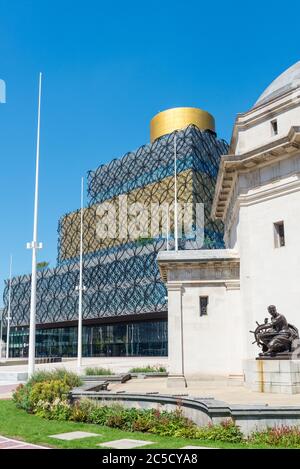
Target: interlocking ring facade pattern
(122, 278)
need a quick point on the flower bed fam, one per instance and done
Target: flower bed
(149, 369)
(47, 395)
(98, 371)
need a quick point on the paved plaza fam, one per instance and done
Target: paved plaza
(9, 443)
(231, 391)
(115, 364)
(222, 390)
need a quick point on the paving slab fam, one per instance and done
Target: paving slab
(6, 390)
(196, 447)
(74, 435)
(125, 443)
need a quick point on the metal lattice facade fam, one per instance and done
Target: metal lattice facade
(121, 275)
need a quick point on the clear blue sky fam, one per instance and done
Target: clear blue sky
(108, 68)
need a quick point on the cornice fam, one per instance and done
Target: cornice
(232, 165)
(260, 194)
(287, 101)
(229, 260)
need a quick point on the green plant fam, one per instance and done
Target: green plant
(70, 378)
(26, 396)
(59, 409)
(81, 410)
(21, 397)
(166, 423)
(48, 391)
(48, 399)
(148, 369)
(280, 436)
(42, 265)
(226, 431)
(158, 422)
(18, 424)
(98, 371)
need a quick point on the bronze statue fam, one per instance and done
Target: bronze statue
(278, 337)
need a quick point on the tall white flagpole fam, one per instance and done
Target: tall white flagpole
(175, 195)
(168, 227)
(80, 287)
(1, 334)
(34, 245)
(9, 309)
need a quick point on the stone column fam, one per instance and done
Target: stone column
(175, 336)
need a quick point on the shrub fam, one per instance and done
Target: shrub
(148, 369)
(70, 378)
(226, 431)
(280, 436)
(143, 423)
(163, 423)
(60, 409)
(48, 399)
(43, 409)
(25, 398)
(21, 397)
(112, 415)
(82, 410)
(168, 423)
(98, 371)
(48, 391)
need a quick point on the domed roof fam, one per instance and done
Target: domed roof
(288, 80)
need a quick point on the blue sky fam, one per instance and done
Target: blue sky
(108, 68)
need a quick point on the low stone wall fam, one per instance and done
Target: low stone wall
(202, 411)
(259, 417)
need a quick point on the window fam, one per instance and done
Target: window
(203, 305)
(274, 127)
(279, 239)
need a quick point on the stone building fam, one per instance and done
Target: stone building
(215, 297)
(124, 303)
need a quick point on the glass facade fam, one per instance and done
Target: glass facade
(123, 286)
(148, 338)
(120, 273)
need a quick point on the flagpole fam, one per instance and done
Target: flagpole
(80, 287)
(168, 227)
(1, 334)
(9, 309)
(34, 245)
(175, 195)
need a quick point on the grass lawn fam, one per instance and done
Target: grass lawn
(16, 423)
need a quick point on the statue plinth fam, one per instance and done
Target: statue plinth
(278, 356)
(272, 375)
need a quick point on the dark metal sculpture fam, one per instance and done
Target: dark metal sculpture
(277, 338)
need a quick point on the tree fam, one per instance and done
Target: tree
(42, 265)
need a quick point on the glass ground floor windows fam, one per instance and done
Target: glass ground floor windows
(148, 338)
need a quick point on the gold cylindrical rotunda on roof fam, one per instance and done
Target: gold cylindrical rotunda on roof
(178, 118)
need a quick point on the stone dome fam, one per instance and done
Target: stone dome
(288, 80)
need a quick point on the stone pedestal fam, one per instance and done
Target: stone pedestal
(272, 376)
